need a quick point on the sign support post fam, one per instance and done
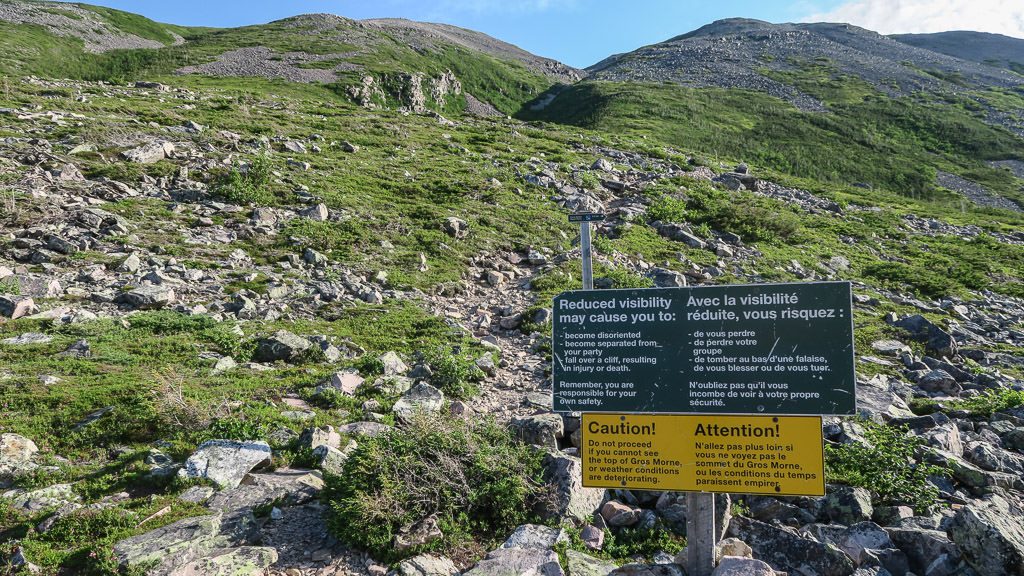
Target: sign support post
(700, 533)
(585, 249)
(585, 218)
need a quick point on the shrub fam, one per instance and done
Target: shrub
(886, 465)
(249, 187)
(473, 478)
(453, 373)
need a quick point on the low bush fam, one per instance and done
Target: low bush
(473, 479)
(246, 187)
(886, 464)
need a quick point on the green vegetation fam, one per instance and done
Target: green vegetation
(893, 144)
(888, 464)
(473, 481)
(981, 406)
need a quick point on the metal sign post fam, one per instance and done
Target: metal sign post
(585, 248)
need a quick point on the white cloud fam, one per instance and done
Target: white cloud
(922, 16)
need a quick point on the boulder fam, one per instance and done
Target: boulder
(15, 307)
(616, 513)
(313, 438)
(535, 536)
(282, 345)
(148, 298)
(420, 398)
(518, 562)
(848, 505)
(425, 565)
(393, 364)
(540, 429)
(455, 227)
(149, 153)
(940, 382)
(580, 564)
(925, 548)
(16, 449)
(787, 551)
(739, 566)
(225, 462)
(938, 342)
(571, 500)
(26, 339)
(332, 460)
(163, 550)
(241, 561)
(991, 536)
(648, 570)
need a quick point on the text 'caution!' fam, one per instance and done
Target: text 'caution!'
(706, 453)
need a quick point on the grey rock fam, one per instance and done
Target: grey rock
(241, 561)
(848, 505)
(282, 345)
(571, 499)
(16, 449)
(738, 566)
(149, 153)
(26, 339)
(941, 382)
(991, 536)
(649, 570)
(148, 298)
(165, 549)
(33, 501)
(225, 462)
(332, 460)
(789, 552)
(455, 227)
(664, 278)
(420, 398)
(937, 341)
(393, 364)
(580, 564)
(535, 536)
(364, 429)
(425, 565)
(540, 429)
(15, 307)
(317, 213)
(924, 547)
(518, 562)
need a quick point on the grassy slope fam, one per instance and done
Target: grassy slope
(26, 49)
(893, 144)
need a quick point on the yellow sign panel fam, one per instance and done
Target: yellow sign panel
(782, 455)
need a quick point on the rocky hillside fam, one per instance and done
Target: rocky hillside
(748, 54)
(983, 47)
(258, 326)
(379, 62)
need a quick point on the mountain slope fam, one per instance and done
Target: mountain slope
(380, 62)
(983, 47)
(743, 53)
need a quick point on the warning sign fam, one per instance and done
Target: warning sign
(780, 455)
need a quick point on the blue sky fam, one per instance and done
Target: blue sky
(581, 32)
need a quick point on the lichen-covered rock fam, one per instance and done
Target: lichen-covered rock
(535, 536)
(225, 462)
(571, 499)
(739, 566)
(580, 564)
(425, 565)
(241, 561)
(848, 504)
(282, 345)
(518, 562)
(540, 429)
(164, 549)
(991, 536)
(420, 398)
(790, 552)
